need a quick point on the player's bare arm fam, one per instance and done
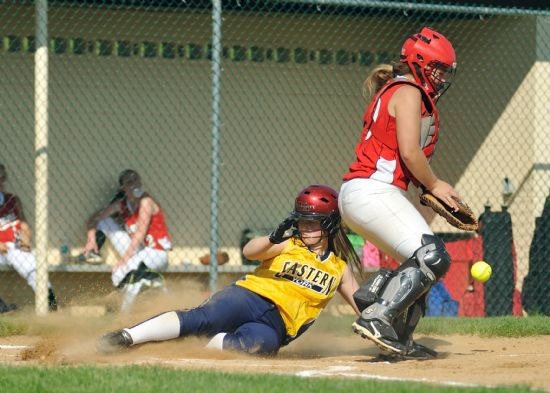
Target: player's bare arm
(26, 231)
(101, 214)
(26, 236)
(261, 248)
(146, 209)
(91, 223)
(406, 106)
(348, 287)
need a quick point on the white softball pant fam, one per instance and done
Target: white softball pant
(120, 239)
(23, 262)
(382, 214)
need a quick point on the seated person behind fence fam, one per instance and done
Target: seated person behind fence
(303, 265)
(142, 241)
(15, 239)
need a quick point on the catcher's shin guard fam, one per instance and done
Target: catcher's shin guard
(411, 280)
(369, 291)
(405, 324)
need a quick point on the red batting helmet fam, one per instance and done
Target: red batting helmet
(318, 202)
(432, 60)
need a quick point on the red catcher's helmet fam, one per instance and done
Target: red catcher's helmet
(318, 202)
(432, 60)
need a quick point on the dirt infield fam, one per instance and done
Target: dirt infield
(464, 360)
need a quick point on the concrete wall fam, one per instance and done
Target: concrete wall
(284, 125)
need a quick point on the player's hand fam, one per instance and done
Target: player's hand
(3, 248)
(445, 192)
(282, 233)
(91, 246)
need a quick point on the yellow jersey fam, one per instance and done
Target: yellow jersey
(298, 282)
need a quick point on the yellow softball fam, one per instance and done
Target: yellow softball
(481, 271)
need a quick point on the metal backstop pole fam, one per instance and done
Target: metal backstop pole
(215, 176)
(41, 156)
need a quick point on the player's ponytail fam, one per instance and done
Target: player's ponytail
(380, 75)
(342, 247)
(377, 78)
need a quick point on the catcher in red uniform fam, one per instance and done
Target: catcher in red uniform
(400, 132)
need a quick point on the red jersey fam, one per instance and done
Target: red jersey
(10, 224)
(157, 235)
(377, 154)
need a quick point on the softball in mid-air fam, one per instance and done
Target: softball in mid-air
(481, 271)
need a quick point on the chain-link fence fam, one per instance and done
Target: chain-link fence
(227, 111)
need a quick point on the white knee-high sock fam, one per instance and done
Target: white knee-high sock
(163, 327)
(216, 342)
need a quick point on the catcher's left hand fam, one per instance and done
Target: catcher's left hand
(464, 218)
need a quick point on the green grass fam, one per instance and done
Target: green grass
(12, 326)
(136, 379)
(487, 327)
(484, 327)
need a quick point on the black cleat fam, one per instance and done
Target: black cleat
(7, 308)
(413, 352)
(114, 342)
(52, 301)
(375, 330)
(419, 352)
(150, 277)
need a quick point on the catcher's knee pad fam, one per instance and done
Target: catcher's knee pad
(432, 258)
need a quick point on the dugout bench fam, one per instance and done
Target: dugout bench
(77, 283)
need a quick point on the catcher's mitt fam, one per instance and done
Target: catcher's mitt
(464, 218)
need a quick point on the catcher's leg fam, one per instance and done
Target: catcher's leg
(405, 325)
(412, 280)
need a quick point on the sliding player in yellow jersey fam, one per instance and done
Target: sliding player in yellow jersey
(303, 265)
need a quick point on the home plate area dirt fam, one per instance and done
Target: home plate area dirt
(69, 337)
(463, 360)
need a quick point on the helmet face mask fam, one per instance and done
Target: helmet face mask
(440, 76)
(431, 59)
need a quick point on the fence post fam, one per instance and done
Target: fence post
(215, 175)
(41, 156)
